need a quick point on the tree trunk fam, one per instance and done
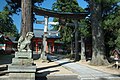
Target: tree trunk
(27, 21)
(98, 57)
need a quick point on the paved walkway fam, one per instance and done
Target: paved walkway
(86, 73)
(61, 70)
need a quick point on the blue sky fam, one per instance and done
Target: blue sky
(46, 4)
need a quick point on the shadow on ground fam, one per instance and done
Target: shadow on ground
(53, 66)
(61, 77)
(3, 70)
(44, 75)
(6, 58)
(36, 56)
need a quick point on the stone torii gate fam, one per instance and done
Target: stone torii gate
(49, 13)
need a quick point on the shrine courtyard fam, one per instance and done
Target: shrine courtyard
(61, 68)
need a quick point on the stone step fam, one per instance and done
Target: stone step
(3, 70)
(23, 54)
(4, 73)
(21, 68)
(22, 61)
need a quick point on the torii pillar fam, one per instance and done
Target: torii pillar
(45, 47)
(76, 40)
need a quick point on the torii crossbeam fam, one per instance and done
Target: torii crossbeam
(51, 13)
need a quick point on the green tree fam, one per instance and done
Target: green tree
(66, 6)
(6, 23)
(117, 41)
(102, 20)
(15, 5)
(98, 46)
(111, 24)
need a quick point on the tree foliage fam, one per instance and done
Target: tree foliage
(110, 11)
(85, 28)
(67, 6)
(6, 23)
(111, 23)
(15, 5)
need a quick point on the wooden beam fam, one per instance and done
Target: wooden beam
(50, 13)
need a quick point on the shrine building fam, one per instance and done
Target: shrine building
(52, 36)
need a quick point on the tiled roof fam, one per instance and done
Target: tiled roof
(4, 38)
(38, 32)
